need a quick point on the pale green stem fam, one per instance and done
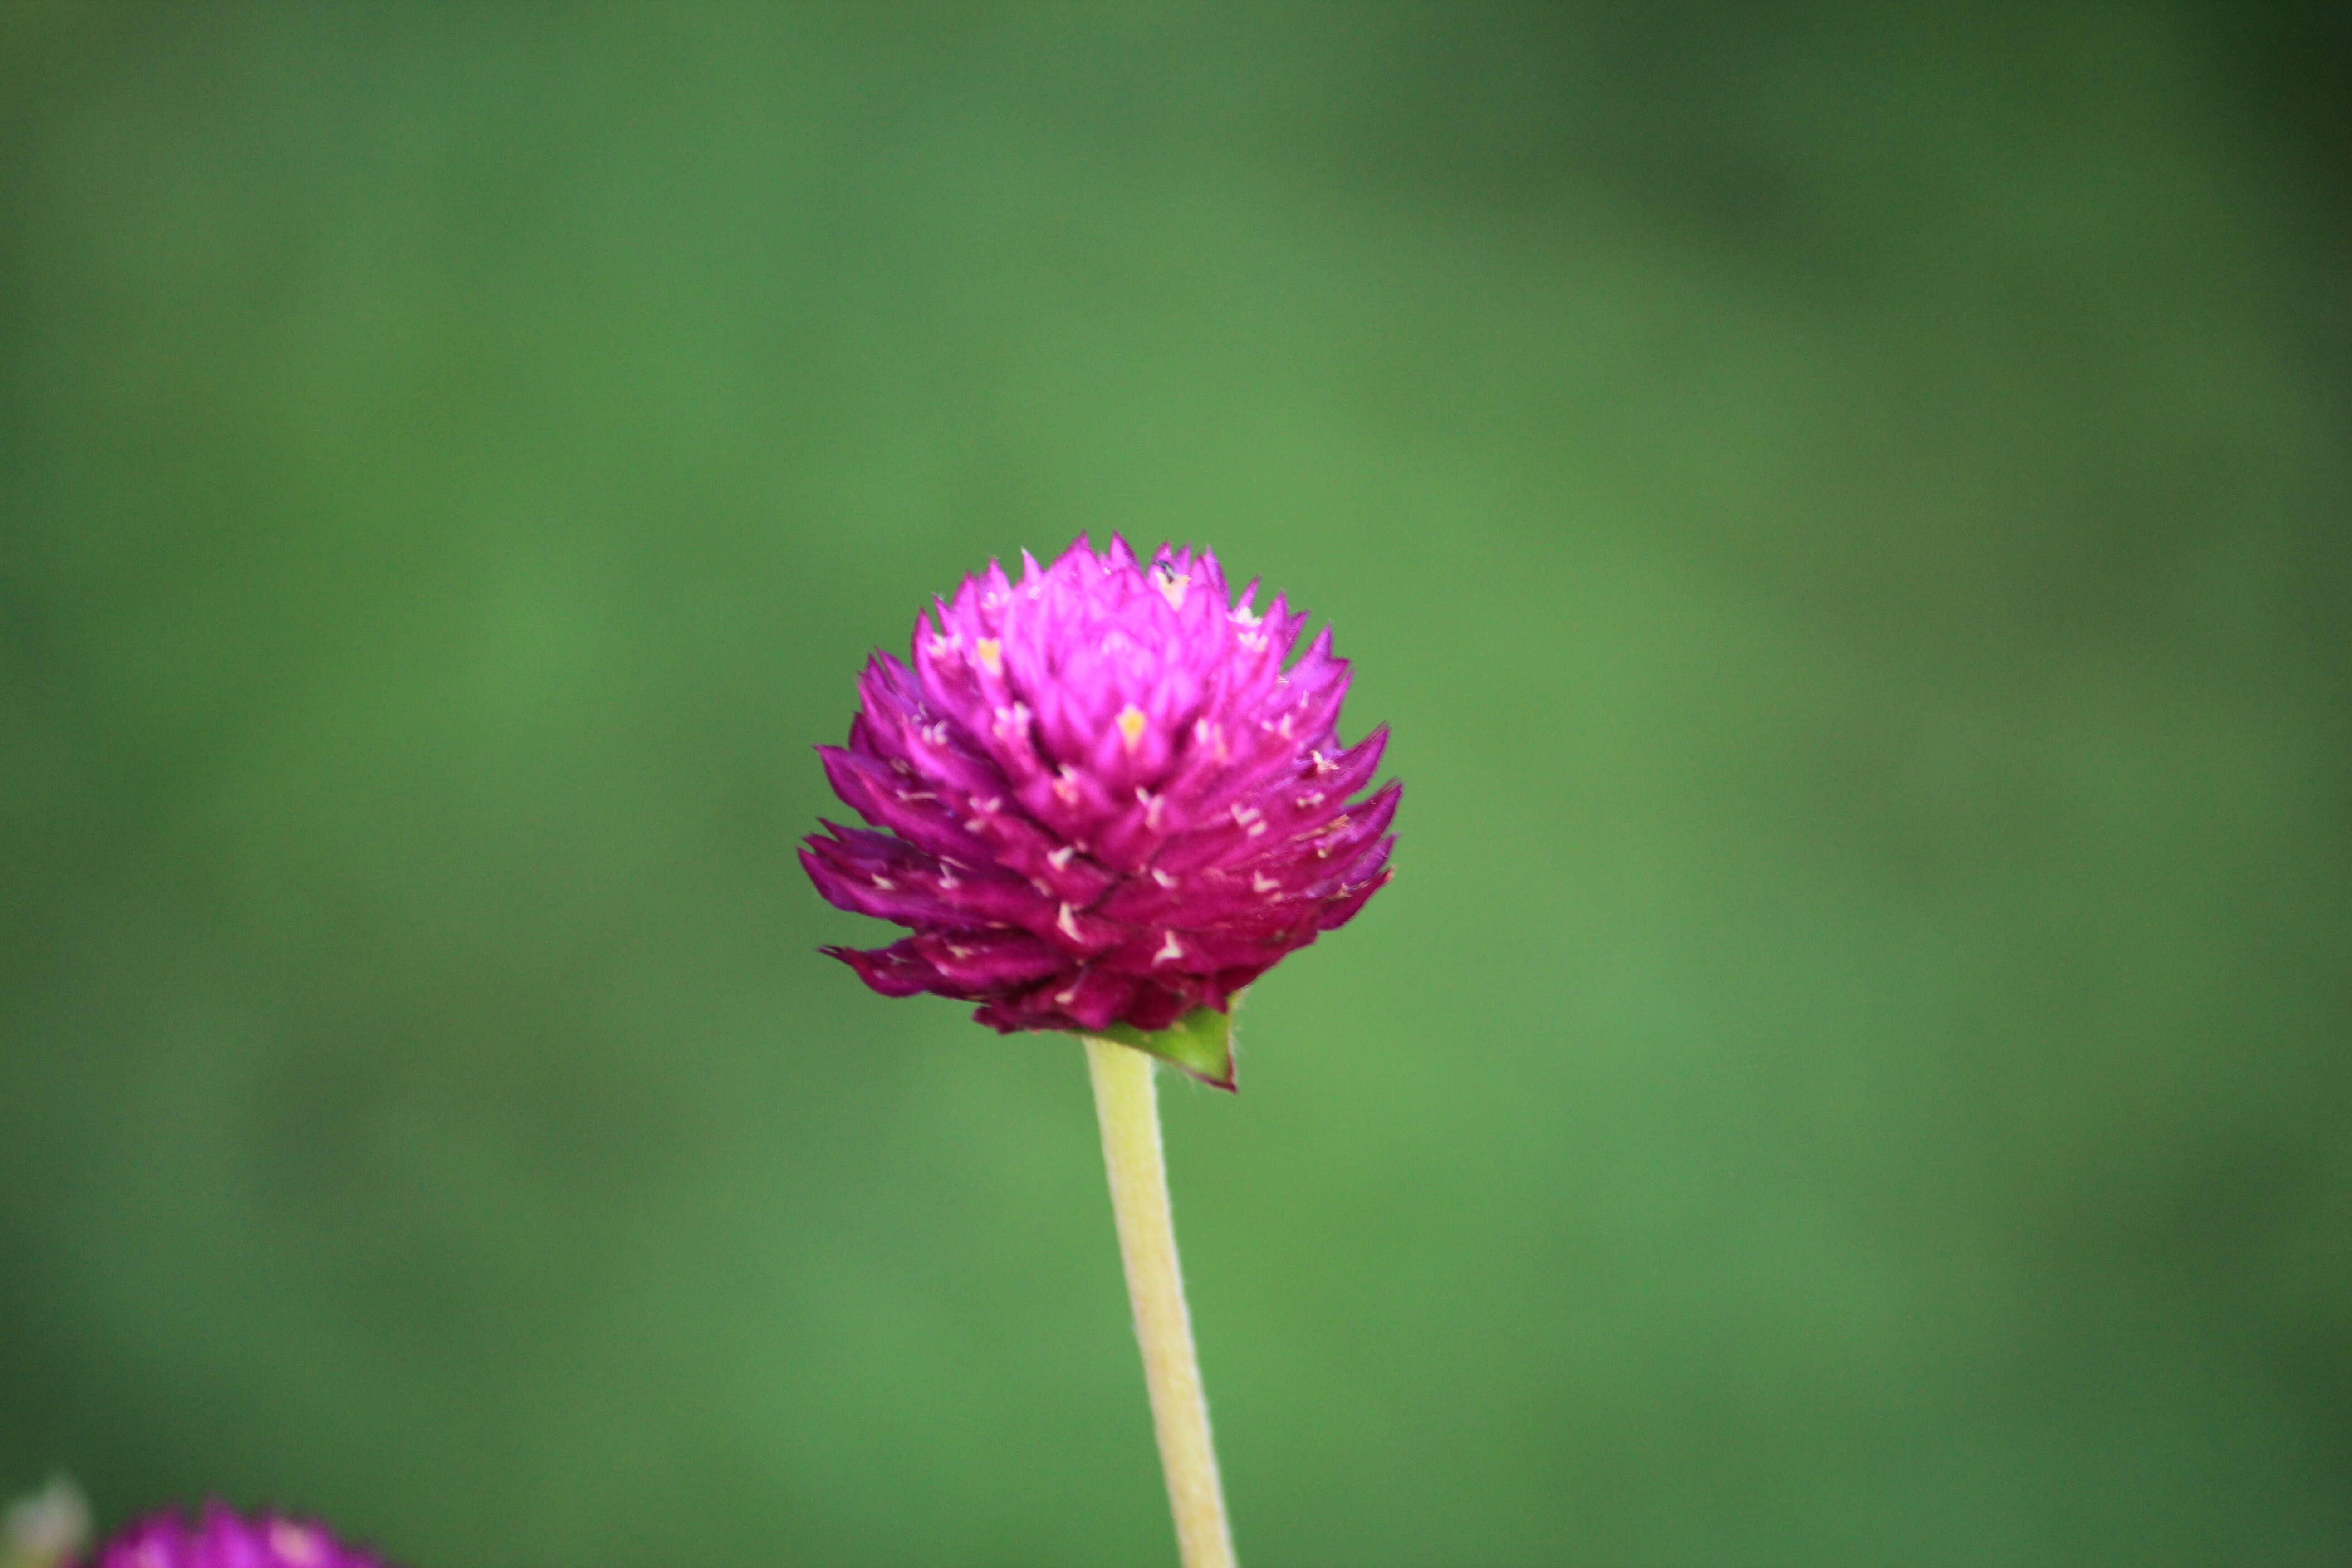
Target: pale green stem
(1128, 1106)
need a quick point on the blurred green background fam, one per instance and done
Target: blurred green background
(1846, 508)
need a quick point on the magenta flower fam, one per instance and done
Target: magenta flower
(1105, 802)
(223, 1537)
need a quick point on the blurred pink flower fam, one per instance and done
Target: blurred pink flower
(223, 1537)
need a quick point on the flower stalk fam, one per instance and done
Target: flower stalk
(1127, 1105)
(1104, 800)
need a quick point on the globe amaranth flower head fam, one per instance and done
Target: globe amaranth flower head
(223, 1537)
(1105, 800)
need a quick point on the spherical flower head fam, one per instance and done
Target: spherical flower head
(223, 1537)
(1103, 800)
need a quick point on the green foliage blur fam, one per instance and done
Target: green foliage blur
(1846, 508)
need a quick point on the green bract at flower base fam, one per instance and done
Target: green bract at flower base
(1200, 1042)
